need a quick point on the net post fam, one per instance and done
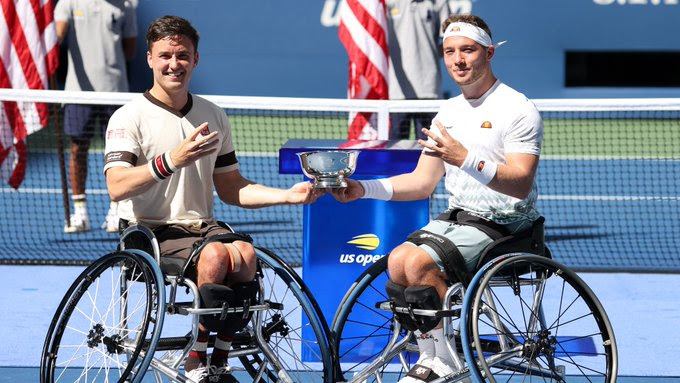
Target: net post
(60, 155)
(384, 121)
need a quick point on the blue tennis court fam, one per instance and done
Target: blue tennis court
(644, 310)
(590, 227)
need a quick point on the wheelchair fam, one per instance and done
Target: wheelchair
(521, 317)
(110, 324)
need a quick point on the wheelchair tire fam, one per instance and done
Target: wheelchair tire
(361, 331)
(297, 335)
(529, 317)
(108, 324)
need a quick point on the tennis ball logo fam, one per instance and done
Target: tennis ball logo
(365, 241)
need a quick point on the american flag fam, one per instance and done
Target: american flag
(29, 55)
(363, 32)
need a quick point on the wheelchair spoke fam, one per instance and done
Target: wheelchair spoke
(91, 337)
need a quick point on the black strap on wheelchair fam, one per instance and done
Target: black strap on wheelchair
(454, 264)
(492, 229)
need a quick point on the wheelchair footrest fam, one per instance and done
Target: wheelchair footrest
(179, 342)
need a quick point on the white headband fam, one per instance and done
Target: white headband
(470, 31)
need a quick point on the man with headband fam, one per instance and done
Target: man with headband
(486, 142)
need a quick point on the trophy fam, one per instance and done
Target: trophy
(329, 168)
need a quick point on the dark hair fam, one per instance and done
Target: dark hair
(170, 26)
(470, 19)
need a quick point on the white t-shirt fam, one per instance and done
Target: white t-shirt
(145, 128)
(502, 121)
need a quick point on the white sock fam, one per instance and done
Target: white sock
(425, 345)
(79, 204)
(440, 345)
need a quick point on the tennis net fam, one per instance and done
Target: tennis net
(607, 179)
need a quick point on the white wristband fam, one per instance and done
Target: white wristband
(377, 189)
(478, 168)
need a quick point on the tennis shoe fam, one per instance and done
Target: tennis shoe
(78, 223)
(199, 374)
(427, 370)
(111, 221)
(221, 373)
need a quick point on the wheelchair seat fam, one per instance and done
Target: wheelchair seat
(531, 240)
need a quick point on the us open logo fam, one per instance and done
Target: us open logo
(364, 242)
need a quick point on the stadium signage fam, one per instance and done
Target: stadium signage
(360, 259)
(330, 13)
(364, 242)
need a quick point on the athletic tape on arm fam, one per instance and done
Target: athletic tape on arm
(377, 189)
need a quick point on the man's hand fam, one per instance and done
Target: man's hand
(445, 147)
(200, 143)
(303, 193)
(352, 192)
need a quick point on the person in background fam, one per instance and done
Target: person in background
(415, 50)
(100, 37)
(165, 153)
(486, 142)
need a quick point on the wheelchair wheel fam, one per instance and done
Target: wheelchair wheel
(530, 318)
(108, 323)
(361, 331)
(296, 334)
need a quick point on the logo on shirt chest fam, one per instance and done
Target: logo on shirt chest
(486, 125)
(115, 133)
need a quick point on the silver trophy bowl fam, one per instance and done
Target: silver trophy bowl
(329, 168)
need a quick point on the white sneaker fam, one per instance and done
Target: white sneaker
(110, 223)
(79, 223)
(198, 375)
(428, 369)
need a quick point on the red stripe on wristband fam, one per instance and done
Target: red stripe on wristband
(162, 167)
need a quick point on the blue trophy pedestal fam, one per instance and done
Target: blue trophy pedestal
(341, 240)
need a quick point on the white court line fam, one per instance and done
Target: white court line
(590, 197)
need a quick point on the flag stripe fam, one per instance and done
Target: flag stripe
(363, 32)
(361, 41)
(376, 76)
(29, 55)
(372, 20)
(18, 37)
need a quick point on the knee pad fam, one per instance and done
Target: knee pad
(396, 294)
(215, 296)
(246, 296)
(220, 296)
(425, 298)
